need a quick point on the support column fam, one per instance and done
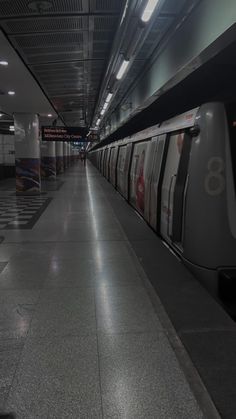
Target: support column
(73, 155)
(27, 154)
(68, 154)
(71, 163)
(48, 160)
(59, 156)
(65, 154)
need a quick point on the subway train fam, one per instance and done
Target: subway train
(180, 175)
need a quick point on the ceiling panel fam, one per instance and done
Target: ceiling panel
(63, 38)
(159, 29)
(67, 45)
(11, 8)
(51, 57)
(173, 6)
(106, 5)
(31, 51)
(59, 67)
(46, 25)
(104, 23)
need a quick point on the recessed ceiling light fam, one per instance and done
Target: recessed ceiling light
(11, 92)
(3, 62)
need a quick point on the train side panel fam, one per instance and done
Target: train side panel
(208, 240)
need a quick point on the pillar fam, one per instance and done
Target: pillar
(65, 154)
(59, 157)
(48, 160)
(27, 154)
(68, 154)
(71, 152)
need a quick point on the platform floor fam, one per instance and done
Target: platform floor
(80, 336)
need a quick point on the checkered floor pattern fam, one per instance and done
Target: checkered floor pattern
(21, 212)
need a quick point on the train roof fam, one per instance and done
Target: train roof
(185, 120)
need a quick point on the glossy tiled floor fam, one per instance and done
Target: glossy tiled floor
(79, 337)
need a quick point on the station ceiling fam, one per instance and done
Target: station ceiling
(71, 46)
(66, 44)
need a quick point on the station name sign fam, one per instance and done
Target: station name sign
(63, 134)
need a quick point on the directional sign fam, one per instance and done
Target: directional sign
(64, 134)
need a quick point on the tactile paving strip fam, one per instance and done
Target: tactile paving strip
(21, 212)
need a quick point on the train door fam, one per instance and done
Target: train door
(147, 180)
(129, 148)
(100, 160)
(137, 176)
(153, 193)
(173, 187)
(120, 169)
(108, 163)
(113, 165)
(104, 162)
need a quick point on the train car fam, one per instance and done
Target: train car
(181, 177)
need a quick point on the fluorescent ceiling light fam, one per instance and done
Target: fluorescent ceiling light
(122, 69)
(11, 128)
(103, 111)
(11, 93)
(3, 62)
(105, 105)
(98, 121)
(1, 114)
(149, 9)
(124, 13)
(109, 96)
(49, 115)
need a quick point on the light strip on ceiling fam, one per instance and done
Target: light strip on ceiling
(149, 9)
(122, 69)
(108, 98)
(106, 104)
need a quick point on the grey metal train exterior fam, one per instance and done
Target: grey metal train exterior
(180, 176)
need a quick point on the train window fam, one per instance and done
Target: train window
(231, 115)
